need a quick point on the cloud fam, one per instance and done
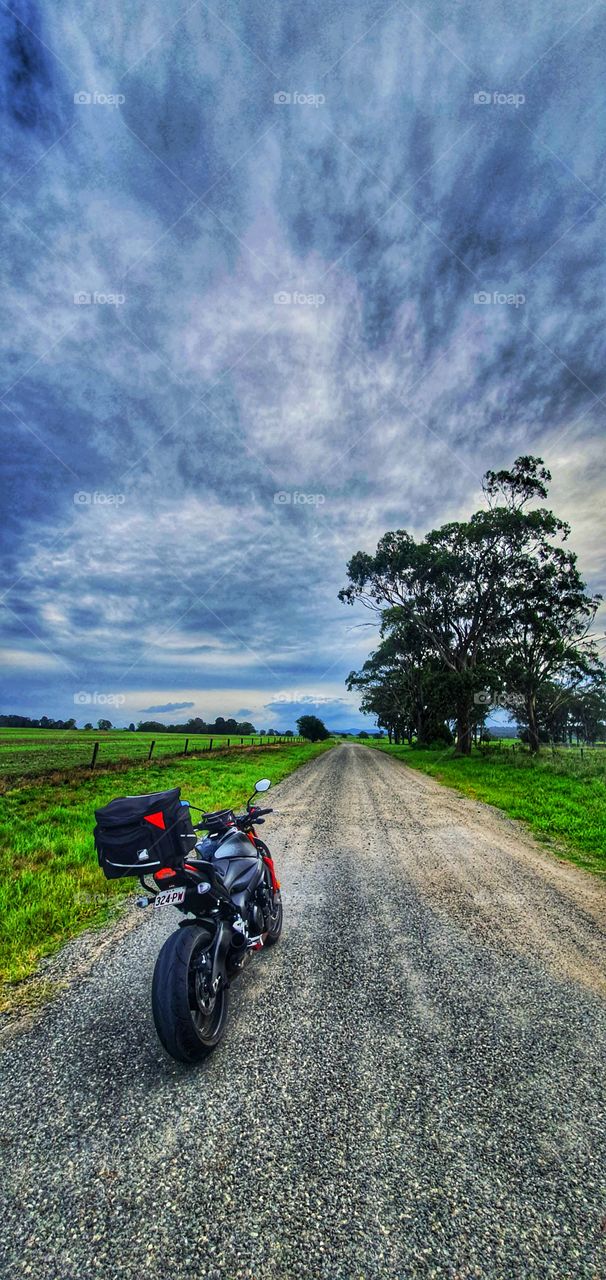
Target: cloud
(145, 441)
(28, 660)
(169, 706)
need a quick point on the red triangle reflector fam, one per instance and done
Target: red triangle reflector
(156, 819)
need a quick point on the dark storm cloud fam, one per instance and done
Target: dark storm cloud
(189, 463)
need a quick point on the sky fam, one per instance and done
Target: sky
(277, 278)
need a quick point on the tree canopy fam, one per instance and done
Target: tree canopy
(478, 610)
(312, 728)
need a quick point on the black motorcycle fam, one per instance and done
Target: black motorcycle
(226, 887)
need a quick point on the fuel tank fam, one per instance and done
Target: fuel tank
(238, 861)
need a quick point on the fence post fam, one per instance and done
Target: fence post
(186, 746)
(228, 741)
(151, 748)
(210, 745)
(95, 753)
(241, 742)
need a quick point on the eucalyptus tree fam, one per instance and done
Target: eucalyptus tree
(456, 586)
(404, 684)
(549, 636)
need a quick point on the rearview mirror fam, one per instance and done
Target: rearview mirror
(263, 785)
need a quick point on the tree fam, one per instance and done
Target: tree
(288, 733)
(548, 637)
(104, 724)
(458, 587)
(195, 725)
(88, 726)
(568, 711)
(131, 727)
(363, 734)
(312, 728)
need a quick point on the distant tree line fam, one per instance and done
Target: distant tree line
(197, 725)
(491, 611)
(45, 722)
(219, 727)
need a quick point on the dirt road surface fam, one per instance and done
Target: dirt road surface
(412, 1084)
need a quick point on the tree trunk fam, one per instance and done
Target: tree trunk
(419, 725)
(533, 732)
(463, 747)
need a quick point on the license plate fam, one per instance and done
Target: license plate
(170, 898)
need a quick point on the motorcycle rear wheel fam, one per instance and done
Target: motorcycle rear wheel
(189, 1022)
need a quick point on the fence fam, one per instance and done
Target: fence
(222, 745)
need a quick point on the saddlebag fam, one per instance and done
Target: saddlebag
(139, 834)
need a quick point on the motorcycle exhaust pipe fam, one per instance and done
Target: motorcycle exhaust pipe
(239, 955)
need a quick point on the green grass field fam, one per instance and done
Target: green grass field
(50, 884)
(28, 752)
(561, 796)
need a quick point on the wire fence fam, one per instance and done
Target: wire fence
(216, 744)
(23, 756)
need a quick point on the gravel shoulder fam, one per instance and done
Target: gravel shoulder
(412, 1083)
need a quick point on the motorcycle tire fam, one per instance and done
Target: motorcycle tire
(188, 1022)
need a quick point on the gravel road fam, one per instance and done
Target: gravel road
(412, 1083)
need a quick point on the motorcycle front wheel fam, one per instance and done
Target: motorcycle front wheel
(189, 1019)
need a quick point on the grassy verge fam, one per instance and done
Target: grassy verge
(562, 801)
(51, 886)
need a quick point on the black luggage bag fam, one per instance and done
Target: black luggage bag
(139, 834)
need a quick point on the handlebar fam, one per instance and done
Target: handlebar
(248, 819)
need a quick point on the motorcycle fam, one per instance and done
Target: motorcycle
(225, 886)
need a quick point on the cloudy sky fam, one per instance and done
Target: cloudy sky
(279, 277)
